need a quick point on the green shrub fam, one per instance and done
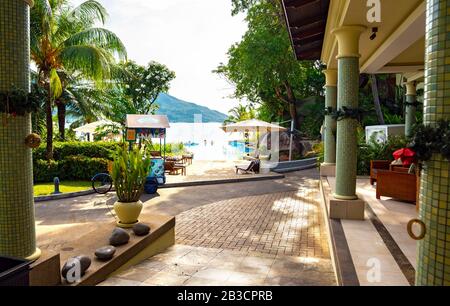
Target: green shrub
(71, 168)
(63, 150)
(376, 151)
(45, 171)
(82, 168)
(172, 149)
(319, 150)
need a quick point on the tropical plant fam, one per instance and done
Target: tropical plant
(135, 92)
(263, 68)
(143, 84)
(375, 150)
(65, 40)
(129, 172)
(240, 113)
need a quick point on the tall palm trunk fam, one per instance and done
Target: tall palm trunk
(49, 123)
(61, 120)
(292, 105)
(376, 99)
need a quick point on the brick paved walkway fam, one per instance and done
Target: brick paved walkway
(270, 239)
(287, 223)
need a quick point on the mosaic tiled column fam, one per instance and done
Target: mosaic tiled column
(433, 266)
(348, 96)
(330, 123)
(410, 109)
(17, 225)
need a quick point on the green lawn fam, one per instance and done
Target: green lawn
(42, 189)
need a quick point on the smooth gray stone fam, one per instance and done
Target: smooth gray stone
(141, 229)
(105, 253)
(119, 237)
(83, 260)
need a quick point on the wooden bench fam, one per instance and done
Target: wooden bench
(173, 168)
(399, 185)
(375, 166)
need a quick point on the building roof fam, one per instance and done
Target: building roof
(306, 21)
(147, 122)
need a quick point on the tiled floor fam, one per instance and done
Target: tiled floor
(269, 239)
(368, 250)
(197, 266)
(288, 223)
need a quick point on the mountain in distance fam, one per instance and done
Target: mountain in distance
(181, 111)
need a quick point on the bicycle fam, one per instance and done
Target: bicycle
(102, 183)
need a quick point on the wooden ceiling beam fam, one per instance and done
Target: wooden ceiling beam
(318, 19)
(320, 29)
(298, 3)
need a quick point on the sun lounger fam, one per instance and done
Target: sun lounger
(252, 168)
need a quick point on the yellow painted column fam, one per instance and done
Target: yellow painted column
(17, 222)
(348, 97)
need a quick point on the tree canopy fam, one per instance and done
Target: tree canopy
(262, 66)
(142, 84)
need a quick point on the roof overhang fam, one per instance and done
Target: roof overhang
(399, 45)
(147, 122)
(306, 21)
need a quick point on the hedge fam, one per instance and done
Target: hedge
(62, 150)
(71, 168)
(80, 160)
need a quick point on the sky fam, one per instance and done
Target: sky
(191, 37)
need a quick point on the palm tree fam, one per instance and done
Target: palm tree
(64, 40)
(240, 113)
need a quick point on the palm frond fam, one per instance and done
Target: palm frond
(55, 84)
(90, 11)
(98, 37)
(91, 61)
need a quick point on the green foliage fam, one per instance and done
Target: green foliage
(142, 85)
(319, 151)
(172, 149)
(129, 173)
(263, 68)
(376, 150)
(390, 118)
(428, 140)
(69, 168)
(65, 40)
(19, 102)
(312, 112)
(240, 113)
(73, 160)
(63, 150)
(82, 167)
(45, 171)
(136, 91)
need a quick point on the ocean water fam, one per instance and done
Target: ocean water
(208, 141)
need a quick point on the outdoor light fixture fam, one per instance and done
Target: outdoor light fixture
(374, 33)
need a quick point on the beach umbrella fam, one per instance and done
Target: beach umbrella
(252, 126)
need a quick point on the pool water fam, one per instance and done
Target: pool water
(208, 141)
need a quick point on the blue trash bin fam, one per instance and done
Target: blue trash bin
(151, 185)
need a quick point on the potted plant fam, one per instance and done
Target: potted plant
(129, 172)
